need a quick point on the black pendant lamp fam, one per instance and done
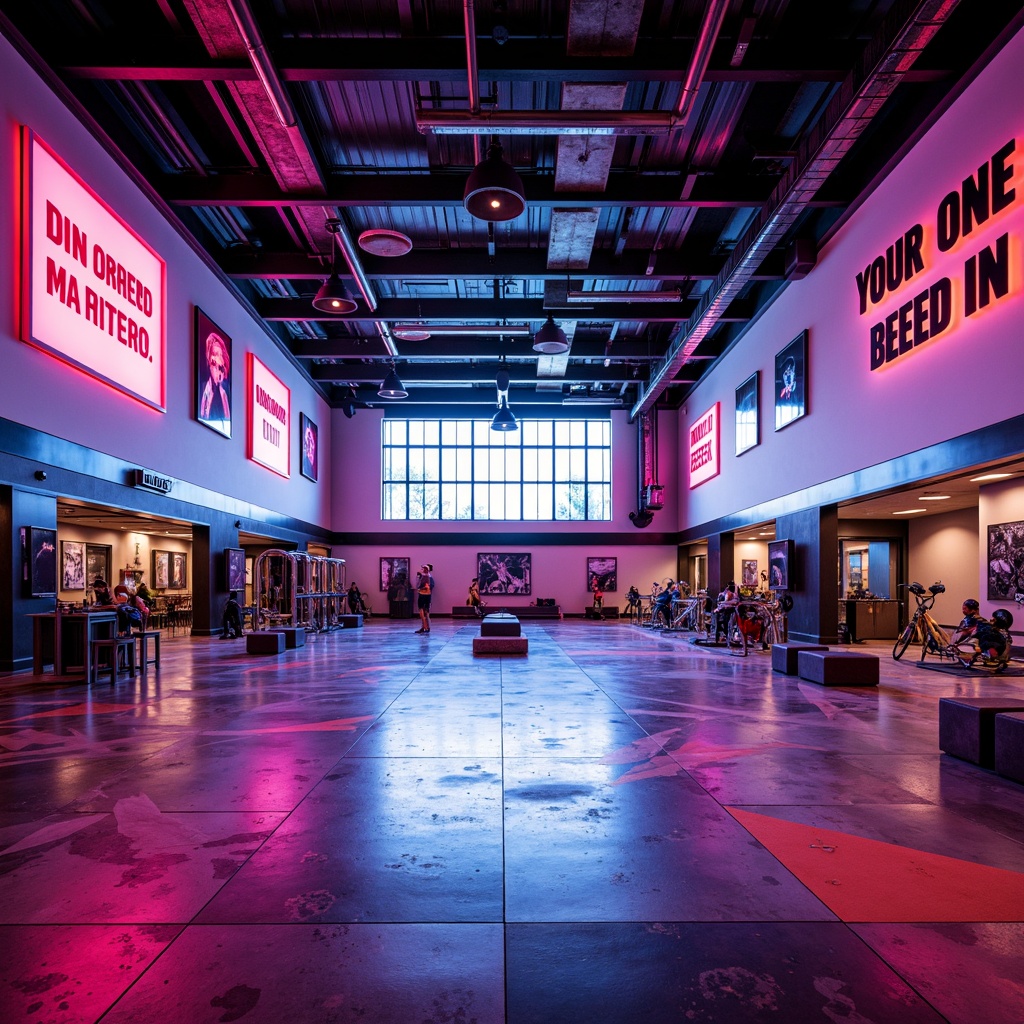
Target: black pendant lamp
(333, 296)
(550, 339)
(392, 387)
(494, 191)
(503, 418)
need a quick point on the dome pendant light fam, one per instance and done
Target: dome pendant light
(392, 387)
(503, 418)
(494, 192)
(333, 296)
(550, 339)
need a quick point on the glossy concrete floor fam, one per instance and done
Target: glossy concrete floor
(620, 827)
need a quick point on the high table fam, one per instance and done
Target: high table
(70, 641)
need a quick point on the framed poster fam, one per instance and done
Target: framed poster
(161, 569)
(41, 547)
(97, 563)
(780, 557)
(748, 572)
(72, 565)
(504, 573)
(179, 570)
(748, 413)
(602, 574)
(270, 419)
(1005, 560)
(791, 382)
(394, 572)
(212, 375)
(234, 566)
(308, 441)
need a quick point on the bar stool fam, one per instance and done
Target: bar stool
(143, 637)
(115, 646)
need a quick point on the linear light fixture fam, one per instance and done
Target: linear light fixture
(420, 332)
(990, 476)
(667, 295)
(545, 122)
(908, 511)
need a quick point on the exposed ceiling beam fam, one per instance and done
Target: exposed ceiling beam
(465, 373)
(408, 60)
(712, 190)
(484, 348)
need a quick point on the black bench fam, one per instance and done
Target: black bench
(967, 726)
(838, 668)
(294, 636)
(264, 642)
(350, 622)
(500, 624)
(1009, 745)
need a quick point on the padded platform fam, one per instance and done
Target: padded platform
(264, 642)
(784, 656)
(500, 645)
(350, 622)
(530, 611)
(464, 611)
(294, 636)
(500, 624)
(608, 612)
(1009, 745)
(967, 726)
(838, 668)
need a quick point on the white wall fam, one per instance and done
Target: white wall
(39, 391)
(945, 547)
(857, 417)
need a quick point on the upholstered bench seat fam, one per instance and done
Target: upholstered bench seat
(1009, 745)
(838, 668)
(294, 636)
(500, 624)
(350, 621)
(610, 611)
(264, 642)
(500, 645)
(784, 656)
(967, 726)
(464, 611)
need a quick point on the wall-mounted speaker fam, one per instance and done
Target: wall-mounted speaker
(801, 256)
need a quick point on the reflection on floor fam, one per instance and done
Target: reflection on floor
(619, 827)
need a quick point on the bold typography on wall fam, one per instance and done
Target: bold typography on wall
(269, 419)
(704, 441)
(965, 279)
(93, 293)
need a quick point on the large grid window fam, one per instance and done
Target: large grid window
(461, 469)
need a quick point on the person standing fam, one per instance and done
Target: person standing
(598, 598)
(424, 590)
(231, 620)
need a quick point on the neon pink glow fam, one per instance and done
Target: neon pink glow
(270, 418)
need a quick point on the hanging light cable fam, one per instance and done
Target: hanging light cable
(333, 296)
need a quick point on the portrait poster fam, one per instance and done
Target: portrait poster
(42, 565)
(779, 559)
(504, 573)
(309, 442)
(212, 375)
(602, 574)
(161, 569)
(748, 413)
(234, 564)
(179, 570)
(1005, 560)
(748, 574)
(97, 563)
(72, 565)
(394, 572)
(791, 382)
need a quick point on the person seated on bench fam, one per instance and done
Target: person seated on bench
(473, 597)
(355, 599)
(231, 620)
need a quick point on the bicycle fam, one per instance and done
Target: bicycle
(922, 628)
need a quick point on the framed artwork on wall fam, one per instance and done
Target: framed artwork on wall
(161, 569)
(308, 439)
(748, 572)
(42, 561)
(72, 565)
(212, 375)
(1005, 560)
(394, 572)
(603, 573)
(179, 570)
(234, 566)
(780, 557)
(748, 413)
(97, 563)
(791, 382)
(508, 573)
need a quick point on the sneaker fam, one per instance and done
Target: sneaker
(421, 631)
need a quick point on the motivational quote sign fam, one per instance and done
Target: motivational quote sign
(982, 278)
(704, 447)
(269, 419)
(93, 291)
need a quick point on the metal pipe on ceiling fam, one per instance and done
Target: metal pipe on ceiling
(263, 65)
(469, 20)
(714, 15)
(667, 295)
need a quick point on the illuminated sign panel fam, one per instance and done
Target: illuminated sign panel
(93, 293)
(704, 443)
(270, 412)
